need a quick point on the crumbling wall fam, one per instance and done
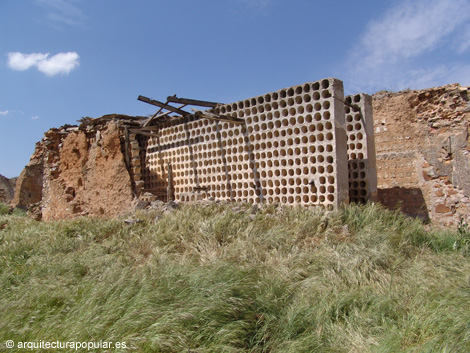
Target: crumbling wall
(77, 172)
(6, 190)
(289, 146)
(293, 147)
(28, 189)
(423, 154)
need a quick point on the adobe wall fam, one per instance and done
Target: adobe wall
(421, 140)
(28, 189)
(77, 171)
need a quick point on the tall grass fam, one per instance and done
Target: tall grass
(4, 209)
(208, 278)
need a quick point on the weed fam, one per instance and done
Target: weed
(211, 279)
(4, 209)
(463, 241)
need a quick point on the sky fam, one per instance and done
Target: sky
(61, 60)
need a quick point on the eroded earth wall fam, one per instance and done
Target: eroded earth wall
(6, 190)
(77, 172)
(423, 152)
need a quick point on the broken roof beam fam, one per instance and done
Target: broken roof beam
(159, 110)
(163, 105)
(187, 101)
(149, 128)
(144, 133)
(155, 116)
(218, 117)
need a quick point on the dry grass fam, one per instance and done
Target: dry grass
(208, 279)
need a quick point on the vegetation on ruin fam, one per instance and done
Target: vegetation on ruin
(217, 278)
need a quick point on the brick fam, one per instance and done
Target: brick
(442, 209)
(292, 150)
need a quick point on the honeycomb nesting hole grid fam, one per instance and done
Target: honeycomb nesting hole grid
(292, 149)
(362, 168)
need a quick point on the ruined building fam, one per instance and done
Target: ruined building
(304, 145)
(288, 146)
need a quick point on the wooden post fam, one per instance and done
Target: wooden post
(126, 147)
(171, 188)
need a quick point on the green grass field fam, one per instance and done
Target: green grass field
(208, 279)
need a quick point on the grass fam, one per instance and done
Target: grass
(4, 209)
(211, 279)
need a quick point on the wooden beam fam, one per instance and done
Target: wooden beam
(126, 146)
(170, 191)
(162, 105)
(149, 128)
(187, 101)
(217, 117)
(155, 116)
(140, 132)
(159, 110)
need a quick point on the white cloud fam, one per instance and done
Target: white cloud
(63, 12)
(413, 27)
(61, 63)
(5, 112)
(19, 61)
(35, 117)
(396, 50)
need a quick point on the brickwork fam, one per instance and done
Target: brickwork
(291, 149)
(361, 148)
(422, 152)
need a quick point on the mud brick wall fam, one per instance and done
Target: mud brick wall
(361, 148)
(292, 149)
(423, 154)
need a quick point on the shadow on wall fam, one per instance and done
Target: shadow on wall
(409, 200)
(359, 190)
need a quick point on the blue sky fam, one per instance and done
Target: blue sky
(61, 60)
